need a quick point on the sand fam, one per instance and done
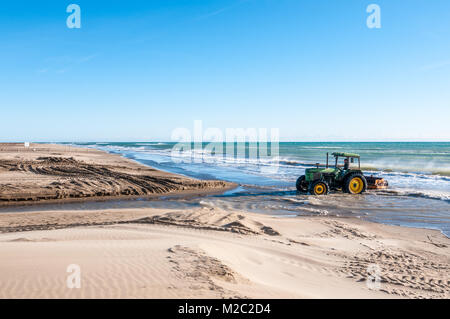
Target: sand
(208, 252)
(211, 253)
(47, 172)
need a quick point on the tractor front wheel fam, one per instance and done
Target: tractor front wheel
(319, 188)
(355, 184)
(302, 184)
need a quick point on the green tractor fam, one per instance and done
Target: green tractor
(349, 179)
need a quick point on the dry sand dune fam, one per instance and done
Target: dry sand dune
(210, 253)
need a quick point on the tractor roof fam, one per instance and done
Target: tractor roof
(336, 154)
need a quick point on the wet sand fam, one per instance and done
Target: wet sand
(196, 252)
(58, 173)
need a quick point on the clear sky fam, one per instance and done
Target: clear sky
(136, 70)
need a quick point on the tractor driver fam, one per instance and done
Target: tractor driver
(346, 165)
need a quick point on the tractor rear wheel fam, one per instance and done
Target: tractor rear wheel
(355, 184)
(319, 188)
(302, 184)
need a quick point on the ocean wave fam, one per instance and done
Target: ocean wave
(422, 167)
(323, 147)
(444, 196)
(315, 211)
(425, 165)
(284, 170)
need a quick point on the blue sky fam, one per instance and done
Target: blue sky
(136, 70)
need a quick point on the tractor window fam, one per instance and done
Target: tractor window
(353, 162)
(341, 162)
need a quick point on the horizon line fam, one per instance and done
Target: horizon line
(288, 141)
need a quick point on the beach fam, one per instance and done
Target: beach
(138, 232)
(58, 173)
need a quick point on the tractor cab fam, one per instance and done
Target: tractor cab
(345, 175)
(352, 158)
(345, 162)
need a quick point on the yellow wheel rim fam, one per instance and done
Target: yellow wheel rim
(319, 189)
(356, 185)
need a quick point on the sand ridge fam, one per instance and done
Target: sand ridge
(200, 218)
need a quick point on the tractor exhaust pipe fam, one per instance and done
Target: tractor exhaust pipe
(327, 160)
